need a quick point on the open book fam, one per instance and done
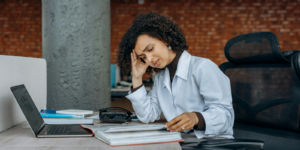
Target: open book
(121, 135)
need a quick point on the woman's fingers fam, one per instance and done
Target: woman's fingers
(178, 122)
(178, 126)
(190, 126)
(138, 61)
(145, 66)
(172, 122)
(138, 67)
(134, 55)
(175, 124)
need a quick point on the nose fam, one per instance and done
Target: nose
(149, 57)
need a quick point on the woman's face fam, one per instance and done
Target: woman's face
(153, 51)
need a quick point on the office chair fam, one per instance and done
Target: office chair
(265, 91)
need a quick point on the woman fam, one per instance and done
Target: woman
(191, 91)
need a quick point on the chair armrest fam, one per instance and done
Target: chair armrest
(203, 148)
(233, 144)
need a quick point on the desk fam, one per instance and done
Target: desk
(18, 138)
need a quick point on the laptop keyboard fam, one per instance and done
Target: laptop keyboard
(59, 129)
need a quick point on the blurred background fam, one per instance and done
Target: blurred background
(207, 24)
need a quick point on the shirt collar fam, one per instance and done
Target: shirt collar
(183, 65)
(173, 65)
(182, 68)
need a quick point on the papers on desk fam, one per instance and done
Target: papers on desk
(136, 128)
(132, 135)
(93, 117)
(53, 117)
(75, 112)
(67, 121)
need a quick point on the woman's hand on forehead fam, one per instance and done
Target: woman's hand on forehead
(138, 68)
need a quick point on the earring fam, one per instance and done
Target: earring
(169, 47)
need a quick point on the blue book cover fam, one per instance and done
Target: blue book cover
(48, 111)
(52, 114)
(61, 116)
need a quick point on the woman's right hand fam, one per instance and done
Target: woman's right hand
(138, 68)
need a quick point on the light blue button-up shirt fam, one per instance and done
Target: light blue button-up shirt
(198, 86)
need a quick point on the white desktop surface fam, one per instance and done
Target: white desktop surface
(18, 138)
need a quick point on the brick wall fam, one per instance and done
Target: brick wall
(208, 24)
(20, 28)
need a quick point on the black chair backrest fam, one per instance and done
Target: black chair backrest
(264, 82)
(258, 47)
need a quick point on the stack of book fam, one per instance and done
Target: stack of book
(68, 116)
(115, 135)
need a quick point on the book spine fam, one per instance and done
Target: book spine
(61, 116)
(48, 111)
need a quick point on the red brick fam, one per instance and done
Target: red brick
(208, 25)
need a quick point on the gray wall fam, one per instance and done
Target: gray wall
(76, 46)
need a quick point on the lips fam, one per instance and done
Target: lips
(156, 63)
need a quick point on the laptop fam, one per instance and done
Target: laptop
(36, 122)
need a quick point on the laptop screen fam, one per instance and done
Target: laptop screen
(28, 107)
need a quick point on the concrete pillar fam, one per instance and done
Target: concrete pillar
(76, 46)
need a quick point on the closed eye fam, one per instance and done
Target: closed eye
(143, 57)
(151, 49)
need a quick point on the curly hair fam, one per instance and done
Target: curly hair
(156, 26)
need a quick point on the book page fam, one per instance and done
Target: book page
(132, 134)
(75, 111)
(124, 128)
(67, 121)
(172, 136)
(99, 128)
(135, 135)
(136, 128)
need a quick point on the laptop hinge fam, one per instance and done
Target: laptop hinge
(41, 128)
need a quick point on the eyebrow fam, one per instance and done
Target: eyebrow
(145, 49)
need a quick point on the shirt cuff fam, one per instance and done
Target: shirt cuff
(201, 122)
(209, 129)
(134, 89)
(137, 95)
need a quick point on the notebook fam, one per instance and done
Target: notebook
(36, 122)
(116, 135)
(75, 112)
